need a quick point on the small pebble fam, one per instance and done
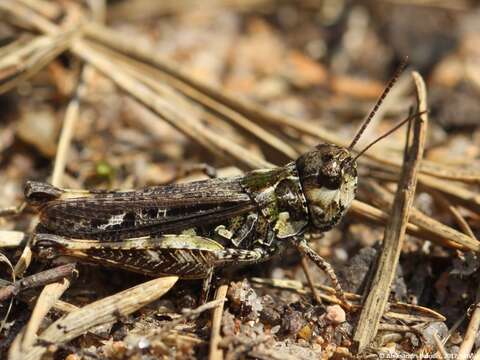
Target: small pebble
(335, 314)
(305, 332)
(72, 357)
(438, 328)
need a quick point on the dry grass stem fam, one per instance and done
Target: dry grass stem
(26, 338)
(215, 352)
(24, 262)
(444, 235)
(64, 307)
(153, 77)
(46, 8)
(438, 232)
(65, 139)
(11, 239)
(472, 330)
(377, 298)
(174, 116)
(453, 191)
(188, 314)
(440, 348)
(35, 280)
(396, 310)
(29, 16)
(462, 223)
(30, 58)
(99, 312)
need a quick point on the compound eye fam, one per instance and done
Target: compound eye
(330, 182)
(330, 175)
(327, 157)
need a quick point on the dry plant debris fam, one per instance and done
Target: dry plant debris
(134, 92)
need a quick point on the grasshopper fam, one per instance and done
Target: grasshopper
(191, 229)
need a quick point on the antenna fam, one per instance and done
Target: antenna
(379, 102)
(395, 128)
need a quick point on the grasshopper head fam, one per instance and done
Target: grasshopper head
(329, 179)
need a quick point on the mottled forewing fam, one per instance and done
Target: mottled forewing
(164, 209)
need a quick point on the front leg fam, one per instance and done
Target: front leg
(302, 246)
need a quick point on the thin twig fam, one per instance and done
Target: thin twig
(174, 116)
(152, 75)
(459, 194)
(476, 356)
(31, 58)
(462, 223)
(66, 134)
(12, 210)
(47, 298)
(35, 280)
(383, 198)
(12, 239)
(444, 235)
(215, 352)
(187, 314)
(441, 349)
(397, 310)
(472, 330)
(5, 260)
(31, 17)
(394, 235)
(46, 8)
(99, 312)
